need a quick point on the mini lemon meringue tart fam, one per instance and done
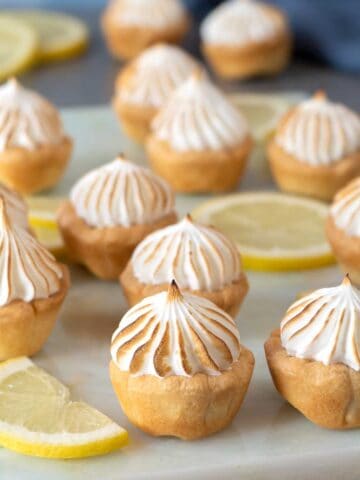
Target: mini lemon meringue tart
(200, 142)
(34, 150)
(178, 367)
(144, 86)
(201, 259)
(111, 209)
(32, 289)
(244, 38)
(130, 26)
(315, 358)
(343, 229)
(316, 149)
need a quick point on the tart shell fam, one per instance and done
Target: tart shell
(30, 171)
(184, 407)
(104, 251)
(346, 250)
(125, 42)
(255, 59)
(228, 298)
(25, 327)
(328, 395)
(184, 171)
(320, 182)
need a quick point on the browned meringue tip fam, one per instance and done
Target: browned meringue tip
(120, 156)
(189, 218)
(4, 218)
(347, 280)
(320, 95)
(198, 73)
(174, 292)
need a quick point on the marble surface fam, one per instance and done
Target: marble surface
(268, 439)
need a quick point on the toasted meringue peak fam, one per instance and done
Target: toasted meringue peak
(157, 14)
(239, 22)
(319, 132)
(27, 120)
(325, 326)
(196, 256)
(15, 206)
(174, 333)
(156, 73)
(345, 211)
(121, 193)
(198, 116)
(27, 270)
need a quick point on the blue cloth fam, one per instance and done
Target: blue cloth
(327, 30)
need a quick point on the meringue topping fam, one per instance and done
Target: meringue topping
(121, 193)
(157, 14)
(27, 120)
(156, 73)
(319, 132)
(175, 334)
(239, 22)
(27, 270)
(197, 256)
(198, 116)
(15, 206)
(325, 326)
(345, 211)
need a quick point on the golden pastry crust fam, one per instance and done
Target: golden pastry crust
(30, 171)
(184, 171)
(184, 407)
(25, 327)
(104, 251)
(321, 182)
(327, 395)
(254, 59)
(125, 42)
(346, 250)
(228, 298)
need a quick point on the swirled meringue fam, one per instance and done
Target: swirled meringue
(198, 116)
(345, 211)
(175, 334)
(27, 120)
(320, 132)
(121, 193)
(15, 206)
(239, 22)
(325, 326)
(27, 270)
(197, 256)
(157, 14)
(157, 72)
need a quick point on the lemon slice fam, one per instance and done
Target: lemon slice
(262, 112)
(274, 231)
(61, 36)
(38, 417)
(42, 219)
(18, 46)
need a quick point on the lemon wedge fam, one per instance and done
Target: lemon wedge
(61, 36)
(274, 231)
(42, 219)
(38, 417)
(262, 112)
(18, 46)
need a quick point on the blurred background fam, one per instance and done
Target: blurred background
(327, 54)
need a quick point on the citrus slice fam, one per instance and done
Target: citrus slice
(42, 219)
(273, 231)
(61, 36)
(18, 46)
(38, 417)
(262, 112)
